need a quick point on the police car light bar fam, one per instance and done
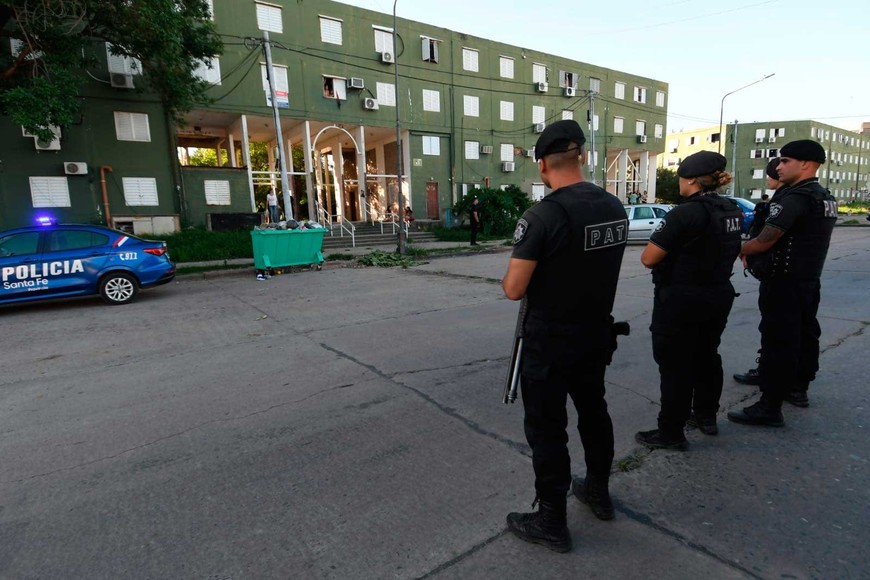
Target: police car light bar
(46, 221)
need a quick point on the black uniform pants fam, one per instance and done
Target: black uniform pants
(475, 227)
(790, 335)
(545, 388)
(687, 325)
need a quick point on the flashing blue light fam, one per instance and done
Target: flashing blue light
(46, 221)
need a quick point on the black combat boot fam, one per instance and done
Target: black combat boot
(593, 491)
(658, 439)
(547, 526)
(761, 413)
(750, 377)
(706, 424)
(798, 398)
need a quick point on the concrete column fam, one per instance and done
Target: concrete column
(338, 178)
(309, 172)
(231, 150)
(246, 157)
(622, 176)
(651, 182)
(643, 171)
(361, 171)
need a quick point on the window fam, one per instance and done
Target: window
(132, 127)
(759, 135)
(431, 145)
(269, 17)
(384, 40)
(756, 153)
(757, 173)
(771, 153)
(330, 30)
(472, 149)
(812, 131)
(49, 192)
(539, 114)
(334, 88)
(506, 111)
(659, 131)
(660, 99)
(568, 79)
(567, 115)
(692, 140)
(209, 70)
(210, 8)
(282, 87)
(506, 67)
(121, 64)
(431, 101)
(19, 244)
(617, 124)
(715, 137)
(386, 94)
(470, 59)
(217, 192)
(660, 213)
(507, 152)
(780, 132)
(639, 95)
(643, 213)
(538, 191)
(640, 128)
(539, 73)
(594, 85)
(595, 122)
(430, 49)
(471, 106)
(140, 190)
(61, 240)
(619, 90)
(673, 145)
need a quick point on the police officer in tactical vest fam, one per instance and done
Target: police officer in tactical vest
(567, 254)
(692, 254)
(788, 256)
(762, 210)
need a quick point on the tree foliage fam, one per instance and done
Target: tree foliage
(38, 87)
(667, 185)
(500, 209)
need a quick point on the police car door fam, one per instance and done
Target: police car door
(74, 259)
(19, 254)
(642, 223)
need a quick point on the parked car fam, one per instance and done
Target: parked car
(748, 209)
(54, 261)
(644, 218)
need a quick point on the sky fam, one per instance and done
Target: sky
(702, 49)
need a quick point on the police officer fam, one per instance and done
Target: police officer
(692, 254)
(762, 209)
(567, 253)
(474, 211)
(794, 243)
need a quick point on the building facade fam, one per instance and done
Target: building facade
(749, 147)
(468, 112)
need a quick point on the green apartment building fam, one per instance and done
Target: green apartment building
(749, 147)
(469, 112)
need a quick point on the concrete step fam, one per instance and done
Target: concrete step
(333, 242)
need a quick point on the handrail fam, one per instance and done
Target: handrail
(342, 224)
(370, 211)
(324, 219)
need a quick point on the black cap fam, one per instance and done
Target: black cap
(771, 168)
(701, 163)
(803, 150)
(559, 137)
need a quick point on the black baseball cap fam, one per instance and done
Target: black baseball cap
(559, 137)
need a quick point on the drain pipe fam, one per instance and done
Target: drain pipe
(103, 170)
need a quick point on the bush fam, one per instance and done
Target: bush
(500, 209)
(199, 245)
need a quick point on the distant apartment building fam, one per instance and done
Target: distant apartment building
(749, 147)
(468, 112)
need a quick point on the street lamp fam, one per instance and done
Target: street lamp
(401, 216)
(722, 106)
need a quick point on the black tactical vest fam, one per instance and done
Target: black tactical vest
(801, 252)
(708, 259)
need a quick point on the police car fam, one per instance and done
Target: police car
(55, 261)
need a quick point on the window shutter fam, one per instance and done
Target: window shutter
(506, 67)
(431, 101)
(49, 192)
(507, 152)
(539, 114)
(140, 191)
(217, 192)
(330, 30)
(471, 106)
(386, 94)
(506, 111)
(269, 18)
(472, 150)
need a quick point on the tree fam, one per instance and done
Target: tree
(55, 41)
(667, 185)
(500, 209)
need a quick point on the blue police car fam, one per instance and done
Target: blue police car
(748, 209)
(55, 261)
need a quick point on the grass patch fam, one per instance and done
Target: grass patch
(339, 257)
(387, 260)
(200, 245)
(461, 234)
(629, 463)
(850, 222)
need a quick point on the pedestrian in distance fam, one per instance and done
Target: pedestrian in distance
(632, 198)
(272, 202)
(788, 256)
(474, 213)
(762, 209)
(574, 235)
(692, 254)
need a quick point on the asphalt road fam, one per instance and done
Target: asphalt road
(348, 424)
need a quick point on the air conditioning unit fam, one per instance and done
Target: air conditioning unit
(356, 83)
(508, 166)
(370, 104)
(530, 153)
(121, 81)
(388, 57)
(75, 168)
(486, 149)
(539, 127)
(542, 87)
(759, 139)
(840, 163)
(641, 138)
(772, 140)
(570, 91)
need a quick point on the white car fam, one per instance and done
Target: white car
(643, 219)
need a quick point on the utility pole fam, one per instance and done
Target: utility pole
(732, 188)
(592, 134)
(401, 249)
(282, 158)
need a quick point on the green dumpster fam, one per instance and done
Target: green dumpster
(283, 248)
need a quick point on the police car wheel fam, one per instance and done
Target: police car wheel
(118, 288)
